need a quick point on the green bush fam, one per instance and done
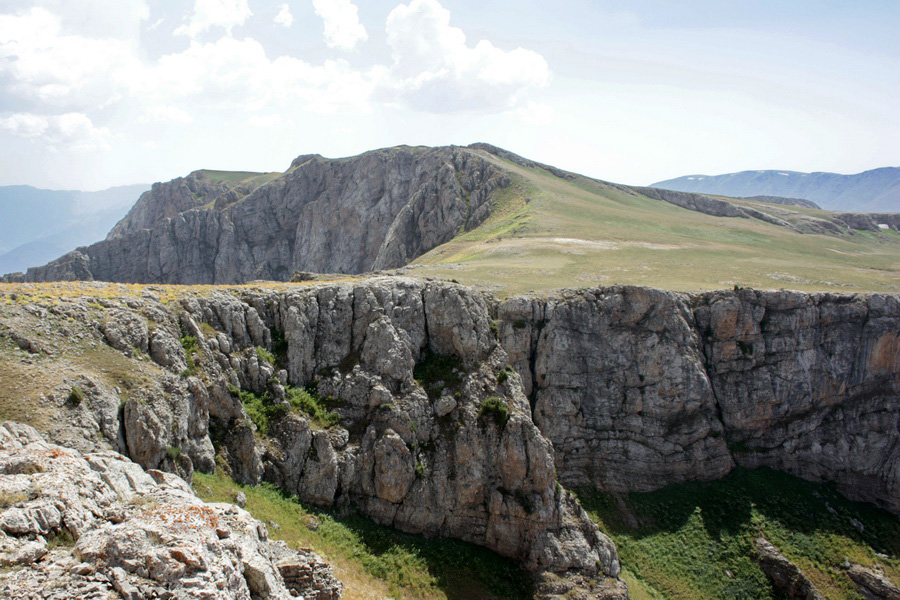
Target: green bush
(496, 408)
(76, 396)
(173, 452)
(265, 356)
(309, 403)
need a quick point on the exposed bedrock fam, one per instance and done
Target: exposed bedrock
(375, 211)
(625, 388)
(638, 388)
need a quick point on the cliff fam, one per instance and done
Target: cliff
(375, 211)
(440, 410)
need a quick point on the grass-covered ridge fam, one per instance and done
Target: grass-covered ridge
(374, 561)
(547, 232)
(694, 541)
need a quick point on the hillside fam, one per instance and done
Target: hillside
(877, 190)
(39, 225)
(482, 216)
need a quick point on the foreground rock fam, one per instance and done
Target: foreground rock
(97, 525)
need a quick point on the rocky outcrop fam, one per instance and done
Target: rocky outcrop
(375, 211)
(872, 584)
(785, 576)
(638, 388)
(97, 525)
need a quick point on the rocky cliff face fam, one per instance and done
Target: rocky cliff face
(98, 526)
(374, 211)
(460, 415)
(637, 388)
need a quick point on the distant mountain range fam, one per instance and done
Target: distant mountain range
(877, 190)
(37, 225)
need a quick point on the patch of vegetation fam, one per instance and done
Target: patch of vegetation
(265, 356)
(76, 396)
(307, 401)
(496, 408)
(374, 560)
(173, 453)
(190, 345)
(260, 408)
(504, 374)
(435, 372)
(694, 541)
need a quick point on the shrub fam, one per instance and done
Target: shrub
(265, 355)
(309, 403)
(497, 409)
(173, 452)
(76, 396)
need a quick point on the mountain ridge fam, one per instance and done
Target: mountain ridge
(418, 207)
(875, 190)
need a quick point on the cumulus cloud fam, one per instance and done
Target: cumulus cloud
(208, 14)
(342, 27)
(67, 131)
(48, 65)
(435, 70)
(284, 16)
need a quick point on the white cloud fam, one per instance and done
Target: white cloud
(62, 70)
(434, 69)
(73, 131)
(208, 14)
(265, 121)
(342, 27)
(165, 113)
(284, 16)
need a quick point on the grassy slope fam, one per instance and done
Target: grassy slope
(681, 543)
(586, 233)
(374, 561)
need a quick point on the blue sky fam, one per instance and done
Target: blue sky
(106, 92)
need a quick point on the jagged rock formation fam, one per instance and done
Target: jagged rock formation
(375, 211)
(785, 201)
(626, 388)
(872, 584)
(98, 526)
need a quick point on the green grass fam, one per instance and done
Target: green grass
(265, 356)
(259, 407)
(583, 232)
(374, 560)
(680, 543)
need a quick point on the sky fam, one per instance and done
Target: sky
(97, 93)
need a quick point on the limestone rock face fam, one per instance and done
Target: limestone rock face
(639, 388)
(132, 534)
(375, 211)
